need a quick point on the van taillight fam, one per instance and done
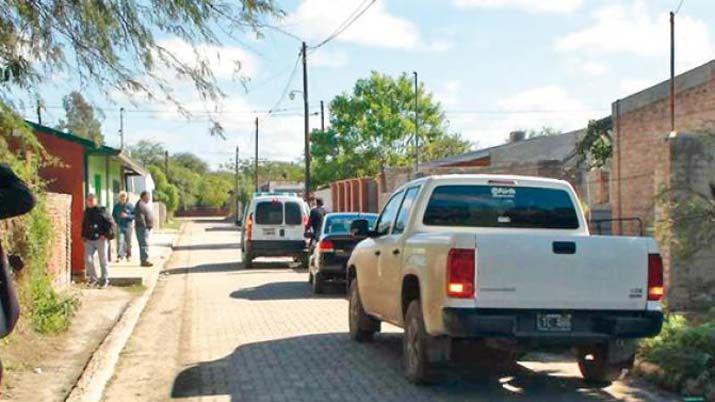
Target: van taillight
(249, 228)
(326, 246)
(460, 273)
(655, 277)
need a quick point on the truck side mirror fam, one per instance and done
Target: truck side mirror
(360, 228)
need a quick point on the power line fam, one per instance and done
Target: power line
(287, 85)
(357, 13)
(679, 5)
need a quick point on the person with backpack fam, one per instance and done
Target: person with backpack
(97, 231)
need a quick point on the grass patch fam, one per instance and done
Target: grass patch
(684, 352)
(172, 224)
(135, 289)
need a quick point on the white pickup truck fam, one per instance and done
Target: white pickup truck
(506, 261)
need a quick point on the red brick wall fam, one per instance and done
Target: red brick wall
(640, 148)
(68, 178)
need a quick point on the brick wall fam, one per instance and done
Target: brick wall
(642, 125)
(59, 207)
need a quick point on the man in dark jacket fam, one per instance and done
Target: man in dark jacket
(315, 219)
(15, 199)
(97, 229)
(123, 214)
(143, 223)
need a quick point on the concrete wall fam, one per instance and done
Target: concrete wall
(690, 277)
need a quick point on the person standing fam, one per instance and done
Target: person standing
(97, 230)
(316, 218)
(123, 214)
(143, 223)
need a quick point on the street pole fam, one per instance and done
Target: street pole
(255, 167)
(306, 134)
(235, 192)
(672, 71)
(417, 132)
(39, 112)
(322, 118)
(166, 164)
(121, 128)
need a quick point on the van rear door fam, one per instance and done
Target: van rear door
(268, 220)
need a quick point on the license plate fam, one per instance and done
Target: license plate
(553, 322)
(269, 232)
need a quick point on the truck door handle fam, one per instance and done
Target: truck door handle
(396, 251)
(564, 247)
(377, 252)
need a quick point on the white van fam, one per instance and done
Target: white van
(274, 226)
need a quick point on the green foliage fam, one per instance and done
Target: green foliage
(190, 161)
(81, 119)
(545, 131)
(372, 128)
(117, 44)
(164, 191)
(684, 352)
(214, 189)
(596, 147)
(148, 153)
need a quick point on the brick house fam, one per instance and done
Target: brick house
(84, 167)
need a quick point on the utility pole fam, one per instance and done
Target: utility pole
(672, 71)
(255, 168)
(121, 128)
(166, 164)
(235, 192)
(306, 133)
(417, 131)
(39, 112)
(322, 118)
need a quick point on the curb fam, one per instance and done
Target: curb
(99, 370)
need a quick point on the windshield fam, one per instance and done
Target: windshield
(340, 224)
(503, 207)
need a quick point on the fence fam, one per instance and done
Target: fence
(59, 208)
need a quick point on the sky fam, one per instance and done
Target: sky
(494, 65)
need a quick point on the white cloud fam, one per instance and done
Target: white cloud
(226, 62)
(328, 58)
(448, 93)
(593, 68)
(315, 20)
(638, 30)
(529, 109)
(534, 6)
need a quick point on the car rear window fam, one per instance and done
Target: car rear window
(293, 215)
(269, 213)
(340, 224)
(495, 206)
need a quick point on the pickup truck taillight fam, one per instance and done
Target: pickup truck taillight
(655, 277)
(326, 246)
(460, 273)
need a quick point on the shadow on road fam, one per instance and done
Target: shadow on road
(285, 291)
(205, 268)
(332, 367)
(217, 246)
(223, 229)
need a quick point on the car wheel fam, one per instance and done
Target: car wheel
(362, 326)
(310, 278)
(594, 364)
(304, 261)
(415, 347)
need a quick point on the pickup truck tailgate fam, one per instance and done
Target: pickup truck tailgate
(528, 271)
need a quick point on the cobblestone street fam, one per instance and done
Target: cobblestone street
(216, 331)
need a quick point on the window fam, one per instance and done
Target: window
(494, 206)
(388, 214)
(340, 224)
(269, 213)
(405, 210)
(293, 214)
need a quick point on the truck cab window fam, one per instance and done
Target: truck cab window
(388, 214)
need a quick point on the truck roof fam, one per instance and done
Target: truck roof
(496, 177)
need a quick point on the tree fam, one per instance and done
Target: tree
(81, 119)
(596, 147)
(372, 128)
(545, 131)
(191, 162)
(214, 189)
(148, 153)
(163, 191)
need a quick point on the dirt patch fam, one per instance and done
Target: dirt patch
(45, 368)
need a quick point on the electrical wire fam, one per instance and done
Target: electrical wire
(354, 16)
(287, 85)
(679, 5)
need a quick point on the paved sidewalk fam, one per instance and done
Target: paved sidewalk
(127, 273)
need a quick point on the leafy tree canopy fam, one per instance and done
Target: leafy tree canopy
(372, 128)
(596, 147)
(81, 118)
(190, 161)
(545, 131)
(148, 152)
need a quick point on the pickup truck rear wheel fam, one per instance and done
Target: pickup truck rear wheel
(415, 347)
(247, 259)
(362, 326)
(594, 364)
